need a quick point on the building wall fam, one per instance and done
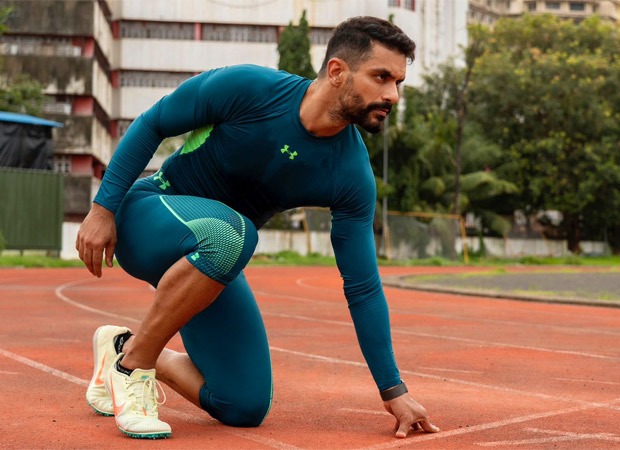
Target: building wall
(319, 13)
(439, 29)
(103, 62)
(488, 11)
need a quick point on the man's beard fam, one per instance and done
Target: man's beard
(353, 110)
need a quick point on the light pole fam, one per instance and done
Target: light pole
(384, 218)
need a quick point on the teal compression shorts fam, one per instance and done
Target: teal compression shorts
(227, 341)
(156, 230)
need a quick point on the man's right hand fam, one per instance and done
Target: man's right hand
(97, 235)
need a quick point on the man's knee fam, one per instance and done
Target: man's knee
(248, 410)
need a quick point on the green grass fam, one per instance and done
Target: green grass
(31, 261)
(289, 258)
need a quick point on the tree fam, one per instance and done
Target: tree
(294, 49)
(20, 94)
(548, 90)
(422, 156)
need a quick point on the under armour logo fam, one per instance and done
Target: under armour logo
(291, 155)
(159, 176)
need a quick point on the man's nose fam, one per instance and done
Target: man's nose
(391, 94)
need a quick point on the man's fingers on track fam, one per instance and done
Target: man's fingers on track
(427, 426)
(403, 430)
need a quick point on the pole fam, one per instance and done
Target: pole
(384, 219)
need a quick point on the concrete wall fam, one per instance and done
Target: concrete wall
(274, 241)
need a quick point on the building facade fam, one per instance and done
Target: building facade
(488, 11)
(103, 62)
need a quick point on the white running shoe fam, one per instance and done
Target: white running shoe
(135, 399)
(97, 395)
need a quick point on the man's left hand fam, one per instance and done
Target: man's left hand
(410, 415)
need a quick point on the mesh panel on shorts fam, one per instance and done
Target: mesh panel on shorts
(220, 241)
(219, 231)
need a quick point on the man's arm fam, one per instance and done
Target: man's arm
(171, 116)
(353, 242)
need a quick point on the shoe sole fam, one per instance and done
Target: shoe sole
(98, 411)
(146, 435)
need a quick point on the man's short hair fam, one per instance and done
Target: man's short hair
(353, 39)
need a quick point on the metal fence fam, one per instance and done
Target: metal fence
(31, 209)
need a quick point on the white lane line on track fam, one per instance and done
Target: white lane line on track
(567, 329)
(476, 428)
(43, 367)
(563, 328)
(66, 299)
(520, 392)
(269, 442)
(302, 282)
(283, 446)
(558, 436)
(396, 330)
(585, 380)
(584, 405)
(61, 340)
(441, 369)
(188, 417)
(366, 411)
(340, 323)
(508, 345)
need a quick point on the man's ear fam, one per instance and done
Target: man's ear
(337, 71)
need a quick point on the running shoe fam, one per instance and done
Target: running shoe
(97, 395)
(136, 401)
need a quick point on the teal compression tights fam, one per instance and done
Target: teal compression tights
(227, 341)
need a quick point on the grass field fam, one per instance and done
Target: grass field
(294, 259)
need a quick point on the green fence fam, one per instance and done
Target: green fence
(31, 209)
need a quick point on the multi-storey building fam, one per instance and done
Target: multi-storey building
(488, 11)
(103, 62)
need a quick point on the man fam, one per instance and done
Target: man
(261, 141)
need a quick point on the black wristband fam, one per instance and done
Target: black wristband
(394, 392)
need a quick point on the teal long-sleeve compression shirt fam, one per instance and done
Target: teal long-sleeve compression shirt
(248, 149)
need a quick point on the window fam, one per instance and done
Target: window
(552, 5)
(239, 33)
(531, 6)
(62, 163)
(409, 4)
(578, 6)
(137, 78)
(320, 36)
(42, 46)
(156, 30)
(406, 4)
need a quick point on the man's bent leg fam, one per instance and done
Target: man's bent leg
(236, 384)
(189, 248)
(228, 344)
(181, 294)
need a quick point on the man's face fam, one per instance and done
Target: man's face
(369, 93)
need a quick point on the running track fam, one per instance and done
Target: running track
(492, 373)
